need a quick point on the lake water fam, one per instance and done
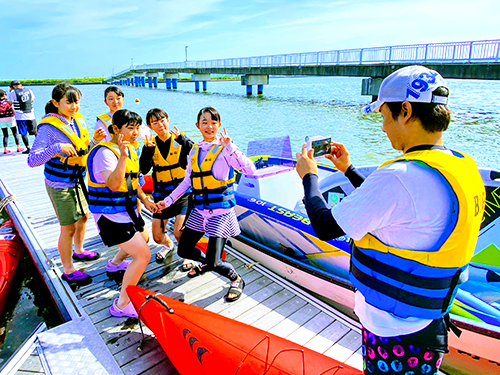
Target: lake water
(302, 106)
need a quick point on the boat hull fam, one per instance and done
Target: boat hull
(281, 238)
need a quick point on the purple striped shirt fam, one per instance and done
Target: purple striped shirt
(47, 144)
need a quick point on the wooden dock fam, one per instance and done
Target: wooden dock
(269, 302)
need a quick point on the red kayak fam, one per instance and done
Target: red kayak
(10, 253)
(198, 341)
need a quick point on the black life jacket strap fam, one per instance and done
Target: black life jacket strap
(200, 174)
(404, 277)
(130, 204)
(165, 167)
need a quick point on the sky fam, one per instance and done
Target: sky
(94, 38)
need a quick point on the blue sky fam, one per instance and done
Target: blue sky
(68, 39)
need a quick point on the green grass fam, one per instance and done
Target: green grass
(54, 80)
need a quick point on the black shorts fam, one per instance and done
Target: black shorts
(178, 208)
(116, 233)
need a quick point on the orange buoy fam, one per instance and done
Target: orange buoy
(136, 100)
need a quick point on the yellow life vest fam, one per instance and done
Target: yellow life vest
(80, 142)
(423, 283)
(104, 200)
(208, 191)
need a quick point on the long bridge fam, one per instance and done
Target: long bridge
(463, 60)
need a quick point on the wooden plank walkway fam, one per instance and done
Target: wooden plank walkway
(268, 302)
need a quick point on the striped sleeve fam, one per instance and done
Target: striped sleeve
(47, 144)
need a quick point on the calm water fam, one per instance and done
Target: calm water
(298, 107)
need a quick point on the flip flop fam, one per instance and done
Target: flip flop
(162, 253)
(187, 266)
(198, 270)
(235, 288)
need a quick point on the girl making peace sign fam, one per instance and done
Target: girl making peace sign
(210, 173)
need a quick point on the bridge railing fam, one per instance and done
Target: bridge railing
(459, 52)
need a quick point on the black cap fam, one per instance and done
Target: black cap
(15, 83)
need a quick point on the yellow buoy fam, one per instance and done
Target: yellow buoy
(136, 100)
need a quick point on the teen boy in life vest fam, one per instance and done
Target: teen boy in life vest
(414, 223)
(22, 99)
(167, 153)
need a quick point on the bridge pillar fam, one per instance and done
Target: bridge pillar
(260, 80)
(371, 86)
(152, 80)
(201, 77)
(171, 78)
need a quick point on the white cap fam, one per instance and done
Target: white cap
(413, 83)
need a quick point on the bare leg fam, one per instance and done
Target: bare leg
(64, 247)
(179, 220)
(159, 235)
(137, 248)
(80, 233)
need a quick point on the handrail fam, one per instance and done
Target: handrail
(480, 51)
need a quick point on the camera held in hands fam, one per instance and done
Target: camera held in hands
(320, 145)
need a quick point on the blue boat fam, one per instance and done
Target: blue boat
(276, 232)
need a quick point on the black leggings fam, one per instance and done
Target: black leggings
(213, 258)
(6, 136)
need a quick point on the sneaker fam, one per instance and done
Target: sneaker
(110, 267)
(127, 311)
(86, 255)
(27, 151)
(6, 151)
(77, 277)
(20, 149)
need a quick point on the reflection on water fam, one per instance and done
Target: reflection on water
(29, 303)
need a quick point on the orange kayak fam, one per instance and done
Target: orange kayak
(11, 246)
(198, 341)
(148, 186)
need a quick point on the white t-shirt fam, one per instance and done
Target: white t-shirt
(106, 160)
(21, 115)
(405, 205)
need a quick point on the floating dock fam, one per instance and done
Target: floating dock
(91, 341)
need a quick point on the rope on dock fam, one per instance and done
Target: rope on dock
(8, 199)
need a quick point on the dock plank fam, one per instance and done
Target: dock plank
(265, 303)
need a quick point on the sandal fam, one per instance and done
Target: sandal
(197, 270)
(235, 288)
(162, 253)
(187, 265)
